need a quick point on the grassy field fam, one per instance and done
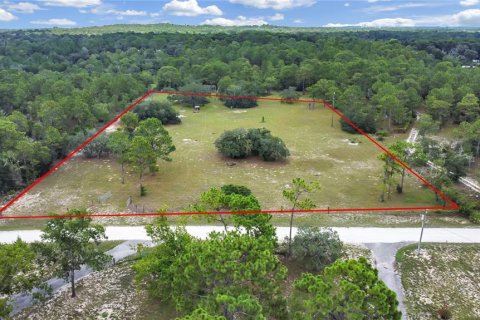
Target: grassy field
(442, 273)
(349, 173)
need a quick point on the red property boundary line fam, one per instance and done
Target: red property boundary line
(452, 206)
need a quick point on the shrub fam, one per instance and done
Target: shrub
(234, 144)
(241, 143)
(229, 189)
(143, 191)
(475, 217)
(289, 94)
(444, 312)
(273, 149)
(316, 247)
(362, 119)
(240, 103)
(162, 110)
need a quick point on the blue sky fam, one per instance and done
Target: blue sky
(305, 13)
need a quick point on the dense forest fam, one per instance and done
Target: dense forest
(56, 85)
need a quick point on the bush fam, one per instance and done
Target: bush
(234, 144)
(163, 111)
(444, 312)
(229, 189)
(143, 191)
(273, 149)
(362, 119)
(475, 217)
(240, 103)
(241, 143)
(289, 94)
(381, 135)
(316, 247)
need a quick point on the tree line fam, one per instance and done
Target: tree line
(54, 86)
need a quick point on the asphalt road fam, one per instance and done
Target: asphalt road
(349, 235)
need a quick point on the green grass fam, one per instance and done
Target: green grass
(442, 273)
(350, 175)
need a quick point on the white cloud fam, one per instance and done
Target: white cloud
(387, 22)
(276, 17)
(73, 3)
(240, 21)
(155, 14)
(469, 17)
(347, 4)
(108, 10)
(55, 22)
(298, 21)
(469, 3)
(24, 7)
(129, 13)
(408, 5)
(6, 16)
(275, 4)
(190, 8)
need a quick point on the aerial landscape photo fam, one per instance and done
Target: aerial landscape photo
(240, 159)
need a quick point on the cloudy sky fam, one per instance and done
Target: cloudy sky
(306, 13)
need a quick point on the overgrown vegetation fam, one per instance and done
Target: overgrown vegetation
(242, 143)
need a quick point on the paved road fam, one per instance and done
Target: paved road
(349, 235)
(384, 254)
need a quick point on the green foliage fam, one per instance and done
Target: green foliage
(475, 217)
(346, 290)
(426, 125)
(289, 94)
(241, 143)
(201, 314)
(229, 189)
(363, 119)
(316, 248)
(239, 90)
(191, 100)
(234, 144)
(98, 147)
(162, 110)
(129, 122)
(69, 243)
(17, 272)
(295, 194)
(157, 270)
(143, 191)
(468, 109)
(469, 133)
(150, 143)
(215, 273)
(237, 198)
(77, 79)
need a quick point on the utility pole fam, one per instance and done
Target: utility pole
(333, 105)
(423, 218)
